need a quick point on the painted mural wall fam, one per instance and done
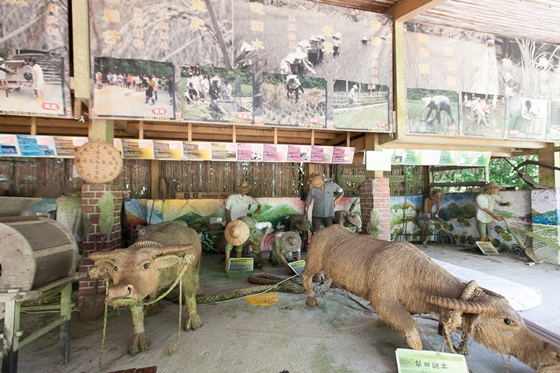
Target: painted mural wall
(545, 229)
(458, 224)
(199, 213)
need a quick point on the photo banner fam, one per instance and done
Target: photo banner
(464, 83)
(34, 60)
(66, 147)
(296, 63)
(425, 157)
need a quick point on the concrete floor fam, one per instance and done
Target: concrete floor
(340, 336)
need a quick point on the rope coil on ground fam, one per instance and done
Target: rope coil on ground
(267, 282)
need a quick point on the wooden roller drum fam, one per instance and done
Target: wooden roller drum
(35, 253)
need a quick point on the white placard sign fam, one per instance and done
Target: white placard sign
(378, 160)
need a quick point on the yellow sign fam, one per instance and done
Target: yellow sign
(265, 300)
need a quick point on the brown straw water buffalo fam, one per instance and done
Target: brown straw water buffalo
(167, 254)
(400, 280)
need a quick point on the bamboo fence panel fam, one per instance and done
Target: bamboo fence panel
(48, 177)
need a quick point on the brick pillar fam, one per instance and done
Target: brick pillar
(375, 205)
(94, 237)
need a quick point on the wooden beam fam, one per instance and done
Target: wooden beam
(405, 10)
(81, 57)
(141, 129)
(33, 126)
(433, 142)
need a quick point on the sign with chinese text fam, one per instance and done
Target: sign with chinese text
(421, 361)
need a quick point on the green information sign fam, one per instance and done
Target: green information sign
(241, 264)
(414, 361)
(297, 266)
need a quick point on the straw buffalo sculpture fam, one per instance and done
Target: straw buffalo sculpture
(400, 280)
(167, 254)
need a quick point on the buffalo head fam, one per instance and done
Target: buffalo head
(491, 321)
(140, 270)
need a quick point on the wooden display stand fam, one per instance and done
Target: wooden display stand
(13, 299)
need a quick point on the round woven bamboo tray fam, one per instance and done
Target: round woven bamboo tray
(98, 162)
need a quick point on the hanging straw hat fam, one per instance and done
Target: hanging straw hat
(491, 185)
(290, 241)
(244, 186)
(237, 232)
(354, 219)
(315, 181)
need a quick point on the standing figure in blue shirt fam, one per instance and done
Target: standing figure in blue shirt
(324, 196)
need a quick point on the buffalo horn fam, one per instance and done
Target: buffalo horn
(174, 249)
(102, 255)
(474, 307)
(145, 245)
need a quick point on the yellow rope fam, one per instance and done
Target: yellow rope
(121, 302)
(104, 330)
(174, 347)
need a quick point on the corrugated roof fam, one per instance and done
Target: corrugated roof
(528, 19)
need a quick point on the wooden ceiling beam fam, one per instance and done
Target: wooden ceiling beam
(407, 9)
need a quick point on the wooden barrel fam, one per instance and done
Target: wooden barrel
(35, 253)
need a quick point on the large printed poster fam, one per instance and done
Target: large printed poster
(480, 85)
(34, 61)
(291, 63)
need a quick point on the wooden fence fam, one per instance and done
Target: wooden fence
(50, 178)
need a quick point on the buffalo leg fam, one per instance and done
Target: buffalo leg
(228, 255)
(307, 278)
(397, 317)
(193, 320)
(140, 340)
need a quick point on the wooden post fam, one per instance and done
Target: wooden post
(547, 176)
(141, 129)
(33, 126)
(155, 173)
(65, 314)
(81, 57)
(102, 130)
(11, 336)
(427, 178)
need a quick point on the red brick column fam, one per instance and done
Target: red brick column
(94, 239)
(375, 203)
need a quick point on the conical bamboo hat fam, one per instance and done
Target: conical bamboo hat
(237, 232)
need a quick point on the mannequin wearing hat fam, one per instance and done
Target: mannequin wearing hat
(245, 231)
(485, 203)
(424, 217)
(324, 197)
(240, 204)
